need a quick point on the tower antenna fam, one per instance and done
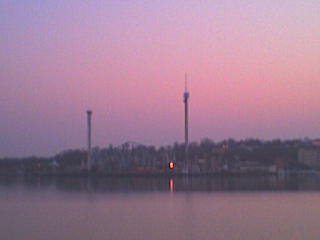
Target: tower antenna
(186, 82)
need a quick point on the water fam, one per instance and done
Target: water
(156, 208)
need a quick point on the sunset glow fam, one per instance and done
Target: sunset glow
(253, 71)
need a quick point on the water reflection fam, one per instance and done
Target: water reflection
(171, 184)
(136, 184)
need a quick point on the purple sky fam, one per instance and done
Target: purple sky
(253, 68)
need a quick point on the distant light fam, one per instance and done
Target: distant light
(172, 165)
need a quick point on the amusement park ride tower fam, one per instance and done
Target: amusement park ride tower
(186, 126)
(89, 115)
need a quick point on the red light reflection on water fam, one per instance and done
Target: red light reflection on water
(171, 184)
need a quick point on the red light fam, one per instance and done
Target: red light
(172, 165)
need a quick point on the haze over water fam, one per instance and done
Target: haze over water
(159, 208)
(253, 68)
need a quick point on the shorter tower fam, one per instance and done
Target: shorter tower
(89, 115)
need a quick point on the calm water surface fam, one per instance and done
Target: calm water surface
(157, 208)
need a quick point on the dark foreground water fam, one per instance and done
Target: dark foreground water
(247, 208)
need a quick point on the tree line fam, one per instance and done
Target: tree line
(131, 157)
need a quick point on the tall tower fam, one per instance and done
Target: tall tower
(186, 125)
(89, 115)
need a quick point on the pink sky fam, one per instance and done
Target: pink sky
(253, 68)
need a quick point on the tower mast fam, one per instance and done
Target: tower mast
(186, 125)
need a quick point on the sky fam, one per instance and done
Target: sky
(253, 72)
